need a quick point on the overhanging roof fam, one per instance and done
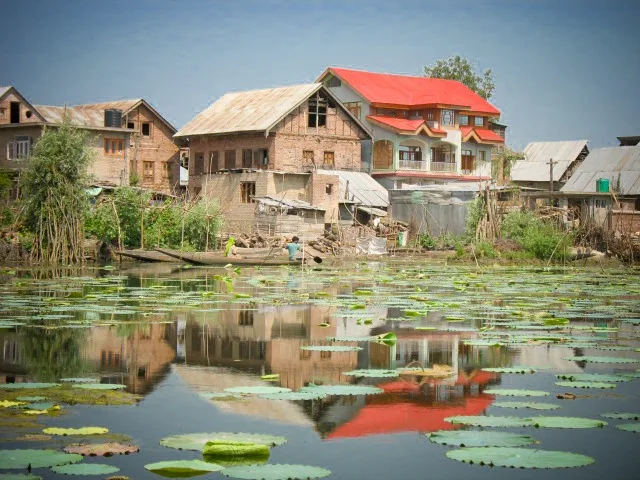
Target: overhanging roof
(360, 187)
(535, 167)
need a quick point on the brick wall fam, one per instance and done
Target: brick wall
(6, 136)
(25, 109)
(105, 168)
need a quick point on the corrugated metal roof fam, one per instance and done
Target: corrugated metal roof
(362, 188)
(286, 202)
(91, 115)
(534, 167)
(249, 111)
(618, 164)
(4, 90)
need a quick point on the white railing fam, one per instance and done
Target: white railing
(412, 165)
(443, 167)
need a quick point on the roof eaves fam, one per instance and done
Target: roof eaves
(283, 116)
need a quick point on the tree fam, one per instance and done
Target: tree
(54, 191)
(458, 68)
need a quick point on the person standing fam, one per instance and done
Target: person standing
(292, 247)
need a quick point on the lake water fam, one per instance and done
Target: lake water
(170, 334)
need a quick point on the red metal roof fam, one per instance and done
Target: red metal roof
(406, 125)
(389, 89)
(484, 134)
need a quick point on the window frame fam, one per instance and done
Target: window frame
(108, 147)
(213, 165)
(18, 143)
(146, 177)
(354, 108)
(247, 192)
(331, 155)
(317, 111)
(229, 157)
(465, 123)
(447, 113)
(247, 158)
(198, 163)
(142, 124)
(475, 121)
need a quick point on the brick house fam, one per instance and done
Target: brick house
(424, 130)
(128, 137)
(259, 152)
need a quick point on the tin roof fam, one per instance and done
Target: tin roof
(286, 203)
(535, 168)
(360, 187)
(481, 134)
(618, 164)
(4, 90)
(405, 125)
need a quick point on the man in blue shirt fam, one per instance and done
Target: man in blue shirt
(293, 247)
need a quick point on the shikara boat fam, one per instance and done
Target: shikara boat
(146, 255)
(216, 258)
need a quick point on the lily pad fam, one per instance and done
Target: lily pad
(490, 421)
(256, 390)
(601, 385)
(373, 373)
(100, 386)
(603, 359)
(101, 449)
(622, 416)
(225, 448)
(343, 389)
(86, 469)
(293, 396)
(516, 392)
(19, 476)
(566, 422)
(330, 348)
(532, 405)
(175, 468)
(75, 431)
(31, 399)
(629, 427)
(276, 472)
(36, 458)
(592, 377)
(475, 438)
(510, 369)
(197, 441)
(219, 395)
(519, 457)
(27, 385)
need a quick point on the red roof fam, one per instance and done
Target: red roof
(389, 89)
(484, 134)
(405, 125)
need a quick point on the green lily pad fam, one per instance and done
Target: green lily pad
(490, 421)
(343, 389)
(36, 458)
(532, 405)
(27, 385)
(75, 431)
(86, 469)
(293, 396)
(31, 399)
(572, 384)
(566, 422)
(183, 468)
(516, 392)
(592, 377)
(519, 457)
(256, 390)
(373, 373)
(276, 472)
(19, 476)
(197, 441)
(219, 395)
(330, 348)
(225, 448)
(603, 359)
(475, 438)
(511, 369)
(629, 427)
(622, 416)
(100, 386)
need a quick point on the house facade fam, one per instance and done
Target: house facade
(424, 130)
(270, 145)
(130, 140)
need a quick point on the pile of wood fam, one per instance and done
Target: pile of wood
(488, 227)
(255, 240)
(388, 227)
(327, 243)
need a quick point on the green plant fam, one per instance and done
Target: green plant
(485, 249)
(427, 241)
(541, 239)
(475, 212)
(202, 223)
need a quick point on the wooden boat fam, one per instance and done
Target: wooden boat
(146, 255)
(216, 258)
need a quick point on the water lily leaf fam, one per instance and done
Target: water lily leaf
(19, 476)
(629, 427)
(219, 395)
(256, 390)
(76, 431)
(27, 385)
(592, 377)
(36, 458)
(373, 373)
(490, 421)
(519, 457)
(101, 449)
(622, 416)
(31, 399)
(586, 384)
(183, 468)
(511, 369)
(197, 441)
(9, 403)
(226, 448)
(475, 438)
(330, 348)
(41, 406)
(603, 359)
(343, 389)
(100, 386)
(532, 405)
(516, 392)
(293, 396)
(566, 422)
(86, 469)
(80, 380)
(276, 472)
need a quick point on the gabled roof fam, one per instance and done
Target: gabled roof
(360, 187)
(480, 135)
(407, 126)
(535, 168)
(5, 90)
(411, 91)
(618, 164)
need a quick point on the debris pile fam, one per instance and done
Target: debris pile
(327, 243)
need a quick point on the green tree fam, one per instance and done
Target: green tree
(458, 68)
(54, 190)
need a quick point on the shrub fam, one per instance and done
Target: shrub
(427, 241)
(202, 223)
(541, 239)
(485, 249)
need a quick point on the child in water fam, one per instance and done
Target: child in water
(292, 247)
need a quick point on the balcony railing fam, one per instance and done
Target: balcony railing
(443, 166)
(412, 165)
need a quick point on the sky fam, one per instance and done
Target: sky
(563, 69)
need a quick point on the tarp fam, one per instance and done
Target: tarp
(371, 246)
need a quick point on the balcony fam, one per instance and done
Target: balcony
(412, 165)
(443, 166)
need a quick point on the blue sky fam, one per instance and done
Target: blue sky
(564, 70)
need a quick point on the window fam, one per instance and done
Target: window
(332, 82)
(447, 117)
(212, 165)
(308, 157)
(113, 146)
(482, 156)
(261, 158)
(246, 158)
(354, 108)
(166, 169)
(415, 114)
(479, 121)
(15, 112)
(146, 129)
(463, 120)
(317, 111)
(391, 112)
(3, 113)
(131, 125)
(430, 115)
(198, 165)
(28, 114)
(410, 153)
(245, 318)
(247, 191)
(325, 355)
(19, 147)
(148, 171)
(230, 159)
(328, 188)
(329, 159)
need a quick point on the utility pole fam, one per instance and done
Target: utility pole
(551, 163)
